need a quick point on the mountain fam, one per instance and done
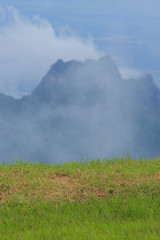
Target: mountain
(80, 109)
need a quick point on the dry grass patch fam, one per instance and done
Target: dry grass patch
(58, 183)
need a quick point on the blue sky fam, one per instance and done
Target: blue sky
(127, 30)
(120, 7)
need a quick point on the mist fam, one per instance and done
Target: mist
(69, 101)
(81, 109)
(78, 110)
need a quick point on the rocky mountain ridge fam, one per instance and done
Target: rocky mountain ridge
(79, 108)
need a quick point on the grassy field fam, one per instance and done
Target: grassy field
(110, 199)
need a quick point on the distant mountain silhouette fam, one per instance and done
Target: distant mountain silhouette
(82, 108)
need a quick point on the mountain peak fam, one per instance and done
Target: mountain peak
(79, 107)
(106, 59)
(66, 78)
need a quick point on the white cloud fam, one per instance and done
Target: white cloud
(28, 47)
(127, 73)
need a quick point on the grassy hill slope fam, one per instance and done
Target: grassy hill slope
(110, 199)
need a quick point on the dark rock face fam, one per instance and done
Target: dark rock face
(82, 108)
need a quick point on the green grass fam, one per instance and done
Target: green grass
(110, 199)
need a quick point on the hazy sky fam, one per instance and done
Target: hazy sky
(120, 7)
(127, 30)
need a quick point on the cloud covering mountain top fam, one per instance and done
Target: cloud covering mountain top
(29, 47)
